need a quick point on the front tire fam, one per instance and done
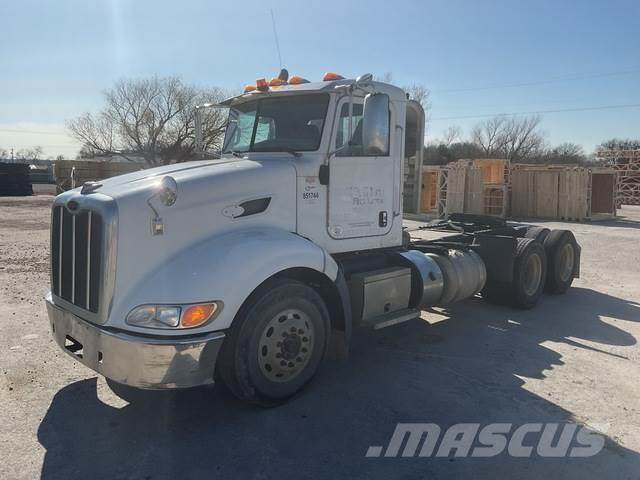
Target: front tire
(276, 343)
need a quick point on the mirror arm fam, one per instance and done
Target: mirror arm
(350, 114)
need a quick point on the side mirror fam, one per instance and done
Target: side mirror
(375, 124)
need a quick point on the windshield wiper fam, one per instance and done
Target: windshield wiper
(293, 152)
(236, 154)
(290, 151)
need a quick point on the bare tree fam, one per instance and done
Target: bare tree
(489, 135)
(150, 118)
(619, 144)
(451, 135)
(515, 139)
(420, 94)
(87, 151)
(565, 153)
(4, 154)
(522, 140)
(34, 153)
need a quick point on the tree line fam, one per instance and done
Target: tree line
(153, 120)
(517, 139)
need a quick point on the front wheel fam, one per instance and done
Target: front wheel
(276, 343)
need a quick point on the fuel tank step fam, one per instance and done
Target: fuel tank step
(392, 318)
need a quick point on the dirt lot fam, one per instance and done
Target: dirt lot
(574, 358)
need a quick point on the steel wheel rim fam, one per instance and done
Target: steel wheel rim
(532, 274)
(566, 262)
(286, 345)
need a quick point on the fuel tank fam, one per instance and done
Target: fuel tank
(439, 279)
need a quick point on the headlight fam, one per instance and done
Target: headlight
(174, 316)
(154, 316)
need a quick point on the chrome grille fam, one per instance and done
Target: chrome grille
(76, 257)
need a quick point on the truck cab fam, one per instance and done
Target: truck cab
(349, 195)
(242, 269)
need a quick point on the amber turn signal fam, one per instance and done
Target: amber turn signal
(196, 315)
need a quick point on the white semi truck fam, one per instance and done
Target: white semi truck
(242, 268)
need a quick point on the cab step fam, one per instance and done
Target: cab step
(392, 318)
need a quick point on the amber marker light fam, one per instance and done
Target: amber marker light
(297, 80)
(327, 77)
(249, 88)
(276, 82)
(196, 315)
(261, 84)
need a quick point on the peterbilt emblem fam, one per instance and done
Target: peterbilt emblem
(233, 211)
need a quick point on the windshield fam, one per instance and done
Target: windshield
(277, 124)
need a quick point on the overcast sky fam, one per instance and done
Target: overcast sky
(478, 57)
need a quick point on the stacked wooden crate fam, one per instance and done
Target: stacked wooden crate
(562, 192)
(627, 164)
(494, 187)
(466, 186)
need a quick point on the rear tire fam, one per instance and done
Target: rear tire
(537, 233)
(562, 255)
(529, 274)
(275, 344)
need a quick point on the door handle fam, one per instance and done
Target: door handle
(323, 175)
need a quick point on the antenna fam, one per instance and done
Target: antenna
(275, 36)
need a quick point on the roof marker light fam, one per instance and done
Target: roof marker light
(297, 80)
(261, 84)
(329, 76)
(249, 88)
(276, 82)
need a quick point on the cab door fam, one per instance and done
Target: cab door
(361, 187)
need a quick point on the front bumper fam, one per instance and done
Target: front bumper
(135, 360)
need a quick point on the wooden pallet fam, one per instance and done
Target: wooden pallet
(627, 165)
(562, 192)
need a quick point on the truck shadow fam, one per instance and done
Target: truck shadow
(621, 221)
(466, 369)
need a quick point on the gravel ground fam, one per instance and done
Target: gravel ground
(574, 358)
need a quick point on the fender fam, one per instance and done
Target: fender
(225, 268)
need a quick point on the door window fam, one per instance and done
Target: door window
(344, 147)
(353, 148)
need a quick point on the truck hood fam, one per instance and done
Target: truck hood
(125, 185)
(214, 198)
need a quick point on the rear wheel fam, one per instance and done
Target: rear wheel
(528, 277)
(275, 344)
(537, 233)
(562, 254)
